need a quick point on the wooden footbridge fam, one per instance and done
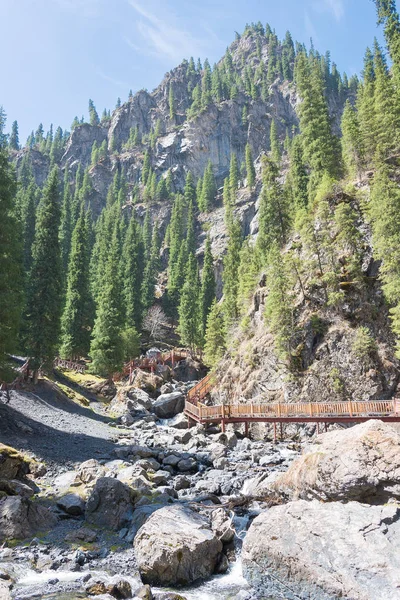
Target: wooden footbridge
(281, 413)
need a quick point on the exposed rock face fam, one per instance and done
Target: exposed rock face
(20, 518)
(79, 147)
(169, 405)
(13, 465)
(176, 546)
(325, 551)
(110, 504)
(360, 463)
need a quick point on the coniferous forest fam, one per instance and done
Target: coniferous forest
(99, 241)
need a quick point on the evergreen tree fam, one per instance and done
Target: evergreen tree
(248, 273)
(190, 190)
(45, 286)
(274, 141)
(352, 147)
(273, 213)
(77, 318)
(146, 167)
(208, 189)
(250, 170)
(233, 176)
(171, 102)
(133, 275)
(189, 308)
(386, 108)
(230, 273)
(215, 344)
(208, 285)
(107, 350)
(296, 185)
(28, 223)
(93, 116)
(66, 225)
(278, 305)
(11, 280)
(14, 137)
(151, 270)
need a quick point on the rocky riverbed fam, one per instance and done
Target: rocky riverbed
(161, 511)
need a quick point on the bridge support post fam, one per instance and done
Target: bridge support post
(274, 433)
(281, 428)
(223, 425)
(317, 427)
(246, 429)
(326, 426)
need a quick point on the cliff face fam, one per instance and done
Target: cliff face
(330, 359)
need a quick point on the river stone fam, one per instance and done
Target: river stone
(169, 405)
(72, 504)
(13, 487)
(21, 518)
(221, 525)
(325, 551)
(90, 470)
(359, 463)
(110, 504)
(176, 546)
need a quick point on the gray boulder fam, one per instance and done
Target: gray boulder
(72, 504)
(20, 518)
(110, 504)
(325, 551)
(359, 463)
(169, 405)
(176, 546)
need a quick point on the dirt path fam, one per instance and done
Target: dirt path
(54, 428)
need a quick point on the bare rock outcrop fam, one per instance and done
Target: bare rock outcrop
(360, 463)
(317, 551)
(21, 518)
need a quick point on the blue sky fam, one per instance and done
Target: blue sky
(56, 54)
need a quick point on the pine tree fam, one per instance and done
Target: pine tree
(215, 336)
(352, 146)
(208, 189)
(234, 176)
(387, 123)
(388, 15)
(208, 285)
(189, 308)
(93, 116)
(11, 278)
(14, 138)
(45, 286)
(65, 235)
(230, 273)
(77, 318)
(27, 209)
(106, 349)
(274, 141)
(133, 275)
(250, 170)
(151, 271)
(278, 305)
(366, 107)
(385, 220)
(146, 167)
(190, 190)
(273, 212)
(171, 102)
(248, 273)
(296, 185)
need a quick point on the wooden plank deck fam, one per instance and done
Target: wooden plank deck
(305, 412)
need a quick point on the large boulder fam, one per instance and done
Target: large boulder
(21, 518)
(13, 464)
(359, 463)
(110, 504)
(176, 546)
(169, 405)
(317, 551)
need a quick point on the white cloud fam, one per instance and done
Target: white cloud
(162, 36)
(115, 82)
(334, 7)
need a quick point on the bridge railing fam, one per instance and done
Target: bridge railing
(202, 388)
(70, 365)
(301, 410)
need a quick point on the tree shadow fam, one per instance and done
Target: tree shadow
(47, 443)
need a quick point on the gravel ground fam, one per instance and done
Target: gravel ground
(54, 428)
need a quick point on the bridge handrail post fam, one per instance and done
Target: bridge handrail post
(350, 408)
